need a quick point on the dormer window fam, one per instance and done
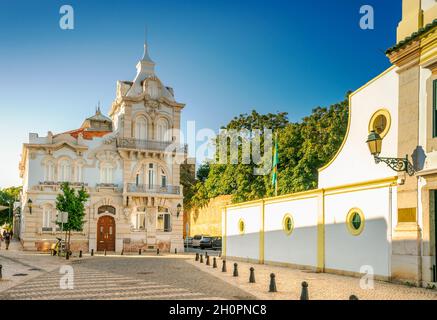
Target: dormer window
(152, 89)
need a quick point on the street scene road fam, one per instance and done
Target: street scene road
(111, 277)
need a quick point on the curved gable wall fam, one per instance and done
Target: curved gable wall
(353, 162)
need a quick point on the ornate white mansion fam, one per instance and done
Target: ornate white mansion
(129, 163)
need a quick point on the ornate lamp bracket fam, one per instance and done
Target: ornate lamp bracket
(397, 164)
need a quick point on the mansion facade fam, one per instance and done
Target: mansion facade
(129, 163)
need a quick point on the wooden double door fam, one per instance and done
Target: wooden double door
(106, 234)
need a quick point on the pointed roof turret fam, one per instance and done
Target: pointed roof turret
(145, 66)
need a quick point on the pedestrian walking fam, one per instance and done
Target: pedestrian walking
(7, 237)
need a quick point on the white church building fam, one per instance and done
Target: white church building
(128, 162)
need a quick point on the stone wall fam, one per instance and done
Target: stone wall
(208, 220)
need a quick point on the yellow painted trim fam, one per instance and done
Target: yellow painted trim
(261, 236)
(356, 186)
(321, 233)
(350, 228)
(247, 204)
(386, 114)
(359, 186)
(285, 225)
(350, 116)
(225, 231)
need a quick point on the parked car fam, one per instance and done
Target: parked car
(217, 243)
(196, 240)
(206, 243)
(188, 241)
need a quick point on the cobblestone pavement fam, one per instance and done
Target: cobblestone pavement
(321, 286)
(127, 277)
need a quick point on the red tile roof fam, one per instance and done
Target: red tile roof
(87, 135)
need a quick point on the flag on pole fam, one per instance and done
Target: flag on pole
(275, 166)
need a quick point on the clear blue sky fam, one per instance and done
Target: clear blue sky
(222, 57)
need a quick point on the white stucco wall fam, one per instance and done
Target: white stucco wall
(300, 247)
(244, 245)
(344, 251)
(354, 163)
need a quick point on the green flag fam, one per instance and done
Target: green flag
(275, 166)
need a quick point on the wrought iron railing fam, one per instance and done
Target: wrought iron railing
(107, 185)
(131, 143)
(58, 183)
(145, 188)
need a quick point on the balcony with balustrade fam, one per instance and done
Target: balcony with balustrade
(151, 145)
(134, 189)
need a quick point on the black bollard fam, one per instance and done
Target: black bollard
(80, 254)
(252, 275)
(67, 255)
(122, 252)
(92, 252)
(235, 274)
(175, 251)
(201, 258)
(224, 266)
(105, 252)
(197, 257)
(304, 294)
(157, 251)
(214, 262)
(206, 254)
(207, 260)
(139, 251)
(1, 274)
(272, 287)
(353, 297)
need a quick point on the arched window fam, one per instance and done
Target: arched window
(163, 133)
(49, 171)
(64, 171)
(79, 172)
(163, 179)
(141, 128)
(106, 173)
(151, 175)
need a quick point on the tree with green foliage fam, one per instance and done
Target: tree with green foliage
(73, 202)
(303, 147)
(7, 198)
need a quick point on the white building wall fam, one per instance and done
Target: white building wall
(244, 245)
(300, 247)
(354, 163)
(344, 251)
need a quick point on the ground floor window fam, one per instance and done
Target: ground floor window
(47, 219)
(164, 220)
(140, 221)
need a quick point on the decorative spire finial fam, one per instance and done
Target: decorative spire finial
(98, 108)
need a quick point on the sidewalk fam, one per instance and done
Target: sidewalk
(19, 266)
(321, 286)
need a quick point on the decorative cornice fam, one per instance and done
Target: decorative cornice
(416, 35)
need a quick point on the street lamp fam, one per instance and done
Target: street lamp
(178, 210)
(374, 142)
(29, 203)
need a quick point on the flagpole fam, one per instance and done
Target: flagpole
(276, 151)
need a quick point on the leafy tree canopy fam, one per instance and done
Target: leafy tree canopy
(303, 148)
(72, 201)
